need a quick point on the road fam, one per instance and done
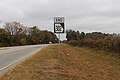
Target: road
(10, 56)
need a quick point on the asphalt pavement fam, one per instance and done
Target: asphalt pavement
(10, 56)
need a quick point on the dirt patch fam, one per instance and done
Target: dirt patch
(76, 64)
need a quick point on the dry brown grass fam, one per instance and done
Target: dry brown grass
(76, 64)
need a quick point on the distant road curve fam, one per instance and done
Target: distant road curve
(10, 56)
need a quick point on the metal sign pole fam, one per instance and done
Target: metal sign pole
(59, 49)
(59, 28)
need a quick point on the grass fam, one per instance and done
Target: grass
(76, 64)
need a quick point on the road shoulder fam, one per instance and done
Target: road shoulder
(76, 64)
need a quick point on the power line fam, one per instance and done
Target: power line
(100, 4)
(94, 11)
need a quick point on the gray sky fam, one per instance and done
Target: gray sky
(82, 15)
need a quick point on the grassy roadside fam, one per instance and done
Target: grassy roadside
(76, 64)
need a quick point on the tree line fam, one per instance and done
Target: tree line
(98, 40)
(15, 34)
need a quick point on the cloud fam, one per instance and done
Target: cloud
(83, 15)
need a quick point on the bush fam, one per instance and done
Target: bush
(107, 43)
(73, 42)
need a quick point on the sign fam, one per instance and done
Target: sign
(59, 28)
(58, 19)
(59, 25)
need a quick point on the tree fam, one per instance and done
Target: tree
(82, 36)
(48, 36)
(16, 30)
(4, 38)
(72, 35)
(14, 33)
(35, 35)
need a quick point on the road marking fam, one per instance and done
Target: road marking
(20, 59)
(12, 63)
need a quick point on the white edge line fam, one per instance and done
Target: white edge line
(12, 63)
(18, 60)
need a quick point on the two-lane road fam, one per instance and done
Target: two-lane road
(10, 56)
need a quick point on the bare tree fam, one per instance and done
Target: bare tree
(14, 28)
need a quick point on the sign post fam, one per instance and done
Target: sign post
(59, 50)
(59, 28)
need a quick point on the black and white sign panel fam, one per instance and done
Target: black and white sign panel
(58, 19)
(58, 27)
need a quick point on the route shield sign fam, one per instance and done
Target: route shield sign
(59, 25)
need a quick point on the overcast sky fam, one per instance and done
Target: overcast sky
(82, 15)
